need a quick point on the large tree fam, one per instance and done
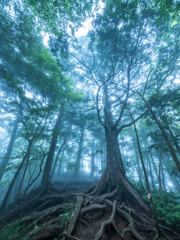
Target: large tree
(124, 53)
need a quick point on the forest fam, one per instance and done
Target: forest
(90, 119)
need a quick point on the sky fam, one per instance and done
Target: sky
(81, 31)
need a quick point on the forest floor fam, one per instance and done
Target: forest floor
(68, 213)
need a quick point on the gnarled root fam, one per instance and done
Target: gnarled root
(73, 218)
(108, 222)
(129, 219)
(60, 220)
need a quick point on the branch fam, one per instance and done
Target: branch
(127, 96)
(131, 123)
(98, 110)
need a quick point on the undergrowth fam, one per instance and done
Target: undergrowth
(12, 231)
(17, 230)
(167, 205)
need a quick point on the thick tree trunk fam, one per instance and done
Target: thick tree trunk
(49, 160)
(9, 149)
(114, 175)
(113, 151)
(79, 155)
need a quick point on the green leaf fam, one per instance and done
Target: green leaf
(65, 214)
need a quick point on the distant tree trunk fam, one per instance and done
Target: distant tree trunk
(55, 165)
(16, 174)
(154, 165)
(175, 183)
(79, 155)
(152, 177)
(140, 174)
(147, 182)
(92, 158)
(57, 156)
(102, 162)
(163, 178)
(25, 169)
(49, 160)
(165, 135)
(160, 163)
(104, 158)
(173, 178)
(149, 162)
(9, 149)
(69, 160)
(174, 139)
(60, 164)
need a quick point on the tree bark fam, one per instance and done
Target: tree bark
(49, 160)
(9, 149)
(114, 174)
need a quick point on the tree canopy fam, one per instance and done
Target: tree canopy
(90, 127)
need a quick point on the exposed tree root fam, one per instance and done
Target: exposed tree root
(108, 195)
(108, 222)
(129, 219)
(91, 208)
(74, 217)
(60, 221)
(30, 204)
